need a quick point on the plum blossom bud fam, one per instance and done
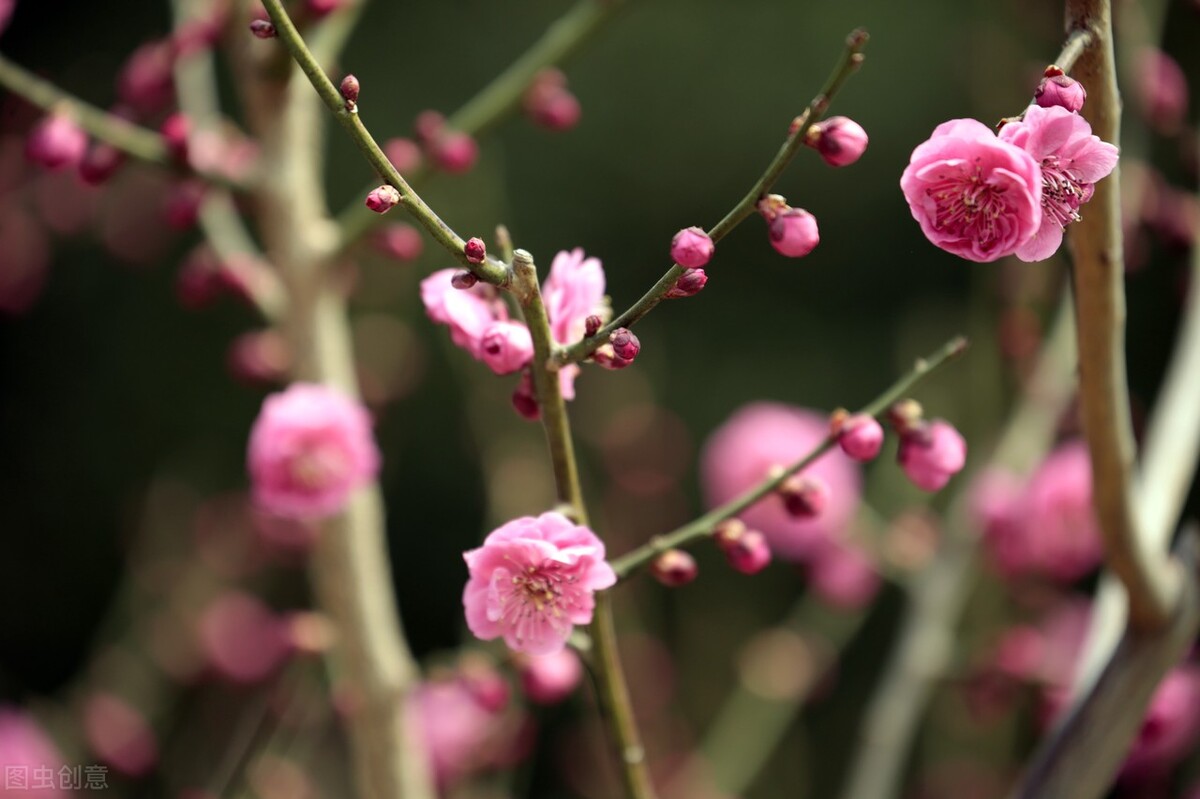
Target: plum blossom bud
(549, 103)
(175, 130)
(592, 325)
(310, 448)
(100, 163)
(625, 344)
(263, 29)
(606, 357)
(506, 347)
(689, 284)
(930, 456)
(804, 496)
(549, 679)
(400, 241)
(860, 437)
(475, 250)
(405, 154)
(1058, 89)
(839, 140)
(242, 639)
(746, 550)
(674, 568)
(349, 89)
(455, 152)
(56, 142)
(147, 81)
(906, 415)
(794, 233)
(119, 734)
(463, 281)
(383, 199)
(691, 248)
(259, 357)
(429, 127)
(524, 401)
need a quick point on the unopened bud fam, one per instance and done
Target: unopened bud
(1059, 90)
(475, 250)
(56, 142)
(182, 205)
(405, 154)
(175, 130)
(625, 344)
(349, 89)
(690, 283)
(840, 140)
(463, 280)
(524, 401)
(322, 8)
(455, 152)
(745, 550)
(592, 325)
(263, 29)
(691, 248)
(549, 103)
(400, 241)
(383, 199)
(674, 568)
(606, 356)
(804, 496)
(793, 232)
(429, 126)
(905, 416)
(861, 437)
(101, 162)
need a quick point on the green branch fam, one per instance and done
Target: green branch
(849, 63)
(704, 525)
(489, 271)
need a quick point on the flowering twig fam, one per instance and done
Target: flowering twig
(614, 693)
(143, 144)
(1100, 316)
(939, 593)
(490, 271)
(704, 525)
(503, 95)
(850, 61)
(1081, 758)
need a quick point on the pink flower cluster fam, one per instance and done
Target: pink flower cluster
(982, 197)
(1046, 526)
(310, 448)
(479, 321)
(533, 580)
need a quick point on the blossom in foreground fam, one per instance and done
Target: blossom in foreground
(549, 679)
(757, 439)
(1070, 159)
(533, 580)
(24, 747)
(310, 447)
(974, 195)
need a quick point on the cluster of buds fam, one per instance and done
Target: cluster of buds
(549, 103)
(622, 347)
(931, 451)
(792, 231)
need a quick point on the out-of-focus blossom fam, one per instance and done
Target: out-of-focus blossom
(243, 640)
(549, 679)
(533, 580)
(674, 568)
(24, 259)
(1162, 90)
(760, 437)
(931, 456)
(973, 195)
(57, 142)
(24, 747)
(119, 735)
(843, 575)
(310, 447)
(146, 81)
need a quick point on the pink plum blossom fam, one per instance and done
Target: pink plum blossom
(1071, 161)
(974, 195)
(119, 734)
(549, 679)
(1162, 90)
(310, 447)
(57, 142)
(243, 640)
(760, 437)
(933, 455)
(467, 312)
(843, 575)
(506, 347)
(24, 746)
(533, 580)
(1170, 728)
(1048, 525)
(573, 291)
(461, 734)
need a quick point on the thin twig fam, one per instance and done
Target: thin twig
(489, 271)
(614, 693)
(938, 595)
(132, 139)
(704, 525)
(1100, 315)
(849, 63)
(503, 95)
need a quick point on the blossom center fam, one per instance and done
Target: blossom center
(969, 205)
(317, 465)
(1062, 192)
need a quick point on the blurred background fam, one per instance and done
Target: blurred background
(124, 415)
